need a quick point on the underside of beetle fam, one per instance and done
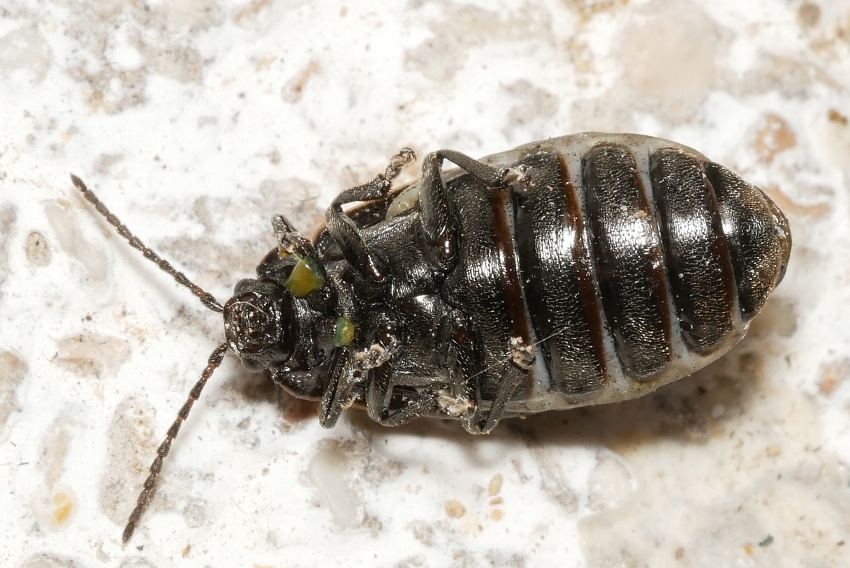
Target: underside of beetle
(580, 270)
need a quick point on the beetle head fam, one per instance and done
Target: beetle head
(268, 322)
(259, 325)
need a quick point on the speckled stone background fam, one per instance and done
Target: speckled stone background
(195, 120)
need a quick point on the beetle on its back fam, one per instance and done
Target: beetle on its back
(580, 270)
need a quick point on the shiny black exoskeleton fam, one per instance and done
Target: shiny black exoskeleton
(579, 270)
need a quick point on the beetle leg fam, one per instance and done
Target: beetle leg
(376, 356)
(458, 356)
(290, 241)
(478, 421)
(461, 401)
(345, 231)
(434, 202)
(393, 406)
(347, 372)
(387, 403)
(378, 365)
(338, 376)
(380, 186)
(482, 420)
(402, 406)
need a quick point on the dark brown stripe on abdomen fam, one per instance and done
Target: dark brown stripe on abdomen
(629, 260)
(511, 285)
(698, 265)
(559, 288)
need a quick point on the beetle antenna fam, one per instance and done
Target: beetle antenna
(207, 299)
(147, 491)
(213, 363)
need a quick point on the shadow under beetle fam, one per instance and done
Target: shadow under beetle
(579, 270)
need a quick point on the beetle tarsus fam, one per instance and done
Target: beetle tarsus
(375, 356)
(405, 156)
(345, 231)
(521, 354)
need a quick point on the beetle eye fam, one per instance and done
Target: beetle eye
(241, 286)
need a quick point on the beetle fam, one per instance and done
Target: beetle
(586, 269)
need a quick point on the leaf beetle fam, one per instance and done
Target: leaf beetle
(586, 269)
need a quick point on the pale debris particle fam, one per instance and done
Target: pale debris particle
(454, 509)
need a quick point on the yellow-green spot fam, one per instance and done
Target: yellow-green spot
(344, 332)
(305, 278)
(282, 253)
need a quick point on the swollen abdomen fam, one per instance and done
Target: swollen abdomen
(639, 262)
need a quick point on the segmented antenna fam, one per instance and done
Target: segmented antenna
(162, 451)
(212, 364)
(206, 298)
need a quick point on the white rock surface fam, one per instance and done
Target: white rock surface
(195, 120)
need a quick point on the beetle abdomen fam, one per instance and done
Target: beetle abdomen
(697, 257)
(626, 249)
(635, 261)
(564, 303)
